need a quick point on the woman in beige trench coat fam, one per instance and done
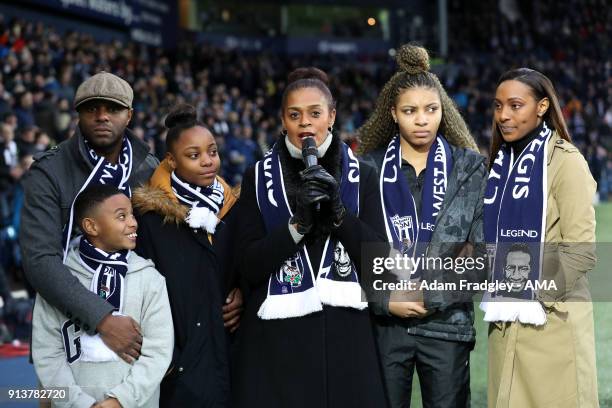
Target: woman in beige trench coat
(550, 364)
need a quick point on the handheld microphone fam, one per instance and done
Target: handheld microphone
(309, 151)
(309, 155)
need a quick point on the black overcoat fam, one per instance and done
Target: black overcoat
(324, 359)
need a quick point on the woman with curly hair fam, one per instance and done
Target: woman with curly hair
(431, 184)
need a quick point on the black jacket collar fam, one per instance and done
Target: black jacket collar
(465, 163)
(519, 145)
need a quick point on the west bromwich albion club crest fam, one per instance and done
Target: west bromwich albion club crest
(108, 285)
(403, 228)
(290, 273)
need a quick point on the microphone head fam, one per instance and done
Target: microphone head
(309, 142)
(309, 147)
(309, 151)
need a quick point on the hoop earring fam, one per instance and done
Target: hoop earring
(283, 132)
(330, 129)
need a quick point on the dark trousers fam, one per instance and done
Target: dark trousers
(442, 365)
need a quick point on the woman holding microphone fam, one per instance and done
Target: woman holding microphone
(306, 338)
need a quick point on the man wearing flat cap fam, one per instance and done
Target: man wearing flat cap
(102, 151)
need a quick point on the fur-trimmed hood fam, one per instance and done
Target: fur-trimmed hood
(157, 196)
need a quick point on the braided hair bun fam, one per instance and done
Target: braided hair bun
(412, 59)
(308, 73)
(181, 115)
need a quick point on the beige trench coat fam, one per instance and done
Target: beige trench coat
(554, 365)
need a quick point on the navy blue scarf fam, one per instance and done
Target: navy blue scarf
(104, 172)
(298, 288)
(114, 174)
(204, 202)
(514, 228)
(210, 197)
(109, 270)
(409, 235)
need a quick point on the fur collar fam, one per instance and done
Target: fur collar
(332, 162)
(157, 196)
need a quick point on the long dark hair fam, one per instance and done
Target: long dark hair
(541, 88)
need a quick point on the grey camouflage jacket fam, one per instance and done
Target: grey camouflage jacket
(458, 232)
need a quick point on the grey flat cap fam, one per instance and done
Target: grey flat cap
(107, 86)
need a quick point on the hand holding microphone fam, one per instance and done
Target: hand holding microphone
(316, 174)
(310, 158)
(310, 193)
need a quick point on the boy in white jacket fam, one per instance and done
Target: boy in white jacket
(65, 355)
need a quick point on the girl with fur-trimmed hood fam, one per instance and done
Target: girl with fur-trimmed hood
(431, 184)
(186, 218)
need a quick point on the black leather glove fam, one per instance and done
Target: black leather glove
(309, 194)
(332, 187)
